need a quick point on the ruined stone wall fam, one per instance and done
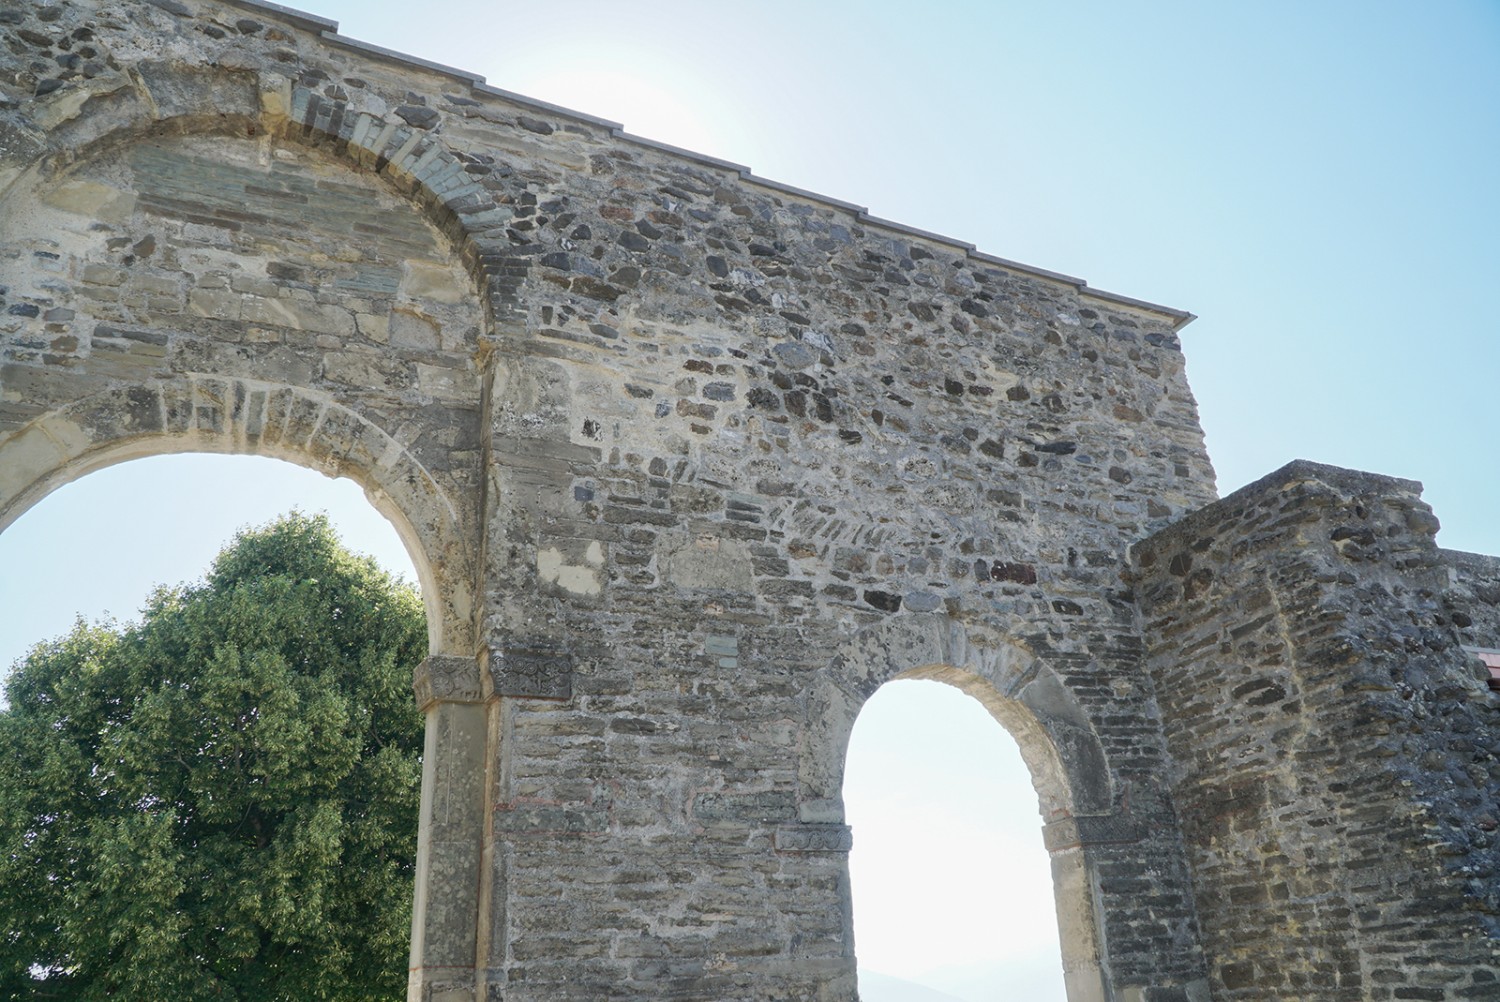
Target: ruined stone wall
(691, 463)
(732, 430)
(1334, 754)
(1474, 599)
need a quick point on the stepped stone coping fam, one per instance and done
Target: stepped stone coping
(300, 18)
(328, 31)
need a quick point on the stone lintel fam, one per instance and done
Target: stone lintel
(447, 678)
(814, 838)
(1089, 829)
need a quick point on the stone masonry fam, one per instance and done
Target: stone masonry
(1332, 745)
(690, 463)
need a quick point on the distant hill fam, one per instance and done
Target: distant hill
(876, 987)
(1034, 979)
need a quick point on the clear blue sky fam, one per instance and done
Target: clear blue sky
(1317, 181)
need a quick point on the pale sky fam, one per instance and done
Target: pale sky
(1315, 180)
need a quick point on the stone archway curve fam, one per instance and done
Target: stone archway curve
(1064, 755)
(242, 416)
(161, 99)
(1022, 691)
(90, 117)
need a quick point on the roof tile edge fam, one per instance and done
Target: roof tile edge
(749, 176)
(490, 90)
(679, 151)
(891, 224)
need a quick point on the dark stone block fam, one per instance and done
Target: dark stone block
(417, 116)
(530, 672)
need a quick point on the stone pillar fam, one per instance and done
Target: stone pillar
(1083, 975)
(1098, 862)
(450, 839)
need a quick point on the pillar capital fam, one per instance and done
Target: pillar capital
(446, 678)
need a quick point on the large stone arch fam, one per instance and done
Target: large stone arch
(222, 404)
(241, 416)
(79, 122)
(246, 417)
(1020, 689)
(126, 358)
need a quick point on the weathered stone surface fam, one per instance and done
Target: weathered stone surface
(448, 679)
(690, 464)
(1334, 753)
(814, 838)
(535, 673)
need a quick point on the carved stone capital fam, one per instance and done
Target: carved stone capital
(530, 672)
(814, 838)
(447, 678)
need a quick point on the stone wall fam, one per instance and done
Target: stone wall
(681, 453)
(692, 462)
(1473, 602)
(1333, 747)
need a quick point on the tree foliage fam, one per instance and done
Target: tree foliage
(221, 801)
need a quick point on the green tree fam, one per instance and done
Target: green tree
(219, 802)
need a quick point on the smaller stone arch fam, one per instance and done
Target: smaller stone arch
(1067, 761)
(1022, 691)
(243, 416)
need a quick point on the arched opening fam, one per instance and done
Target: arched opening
(139, 464)
(98, 544)
(952, 887)
(210, 272)
(247, 294)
